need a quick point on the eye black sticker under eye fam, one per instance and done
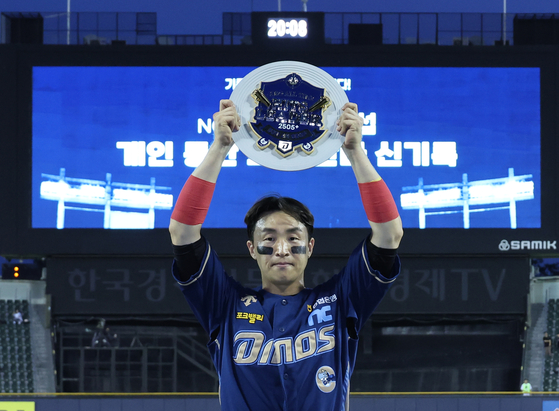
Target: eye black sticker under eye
(264, 250)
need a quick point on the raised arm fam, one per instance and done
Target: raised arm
(194, 200)
(379, 205)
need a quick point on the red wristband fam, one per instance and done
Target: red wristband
(378, 202)
(194, 201)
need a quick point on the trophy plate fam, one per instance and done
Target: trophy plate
(288, 113)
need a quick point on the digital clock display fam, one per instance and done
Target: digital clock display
(287, 27)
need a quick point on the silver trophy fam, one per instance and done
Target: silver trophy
(288, 113)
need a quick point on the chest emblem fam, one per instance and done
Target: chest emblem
(320, 315)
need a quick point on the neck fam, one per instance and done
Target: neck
(284, 289)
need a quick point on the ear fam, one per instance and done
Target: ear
(251, 249)
(310, 248)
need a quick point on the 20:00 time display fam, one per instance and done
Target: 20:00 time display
(285, 28)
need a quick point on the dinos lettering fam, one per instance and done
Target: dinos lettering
(251, 347)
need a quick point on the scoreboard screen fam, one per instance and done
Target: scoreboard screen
(459, 147)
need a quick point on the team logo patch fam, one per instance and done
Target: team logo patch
(326, 379)
(251, 317)
(288, 115)
(320, 315)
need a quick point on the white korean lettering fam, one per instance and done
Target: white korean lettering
(369, 124)
(194, 152)
(231, 159)
(160, 154)
(344, 161)
(231, 82)
(134, 153)
(345, 83)
(420, 152)
(444, 153)
(387, 157)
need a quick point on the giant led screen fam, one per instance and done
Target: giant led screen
(459, 147)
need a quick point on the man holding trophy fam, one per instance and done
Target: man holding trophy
(284, 346)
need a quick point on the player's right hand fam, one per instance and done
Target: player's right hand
(226, 122)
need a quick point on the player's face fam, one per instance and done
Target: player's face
(281, 248)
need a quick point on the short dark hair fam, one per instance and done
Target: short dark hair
(273, 203)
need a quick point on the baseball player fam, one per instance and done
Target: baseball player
(284, 346)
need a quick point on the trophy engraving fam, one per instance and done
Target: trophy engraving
(288, 115)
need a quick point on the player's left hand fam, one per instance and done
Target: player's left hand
(350, 126)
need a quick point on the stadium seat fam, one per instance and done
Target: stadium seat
(16, 374)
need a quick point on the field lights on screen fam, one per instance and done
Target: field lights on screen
(465, 194)
(107, 195)
(90, 194)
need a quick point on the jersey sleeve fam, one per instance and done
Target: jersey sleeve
(208, 291)
(361, 287)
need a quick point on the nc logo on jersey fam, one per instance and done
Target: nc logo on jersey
(321, 315)
(325, 379)
(289, 114)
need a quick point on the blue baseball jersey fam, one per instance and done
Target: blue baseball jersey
(275, 352)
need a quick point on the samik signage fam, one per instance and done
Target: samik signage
(528, 245)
